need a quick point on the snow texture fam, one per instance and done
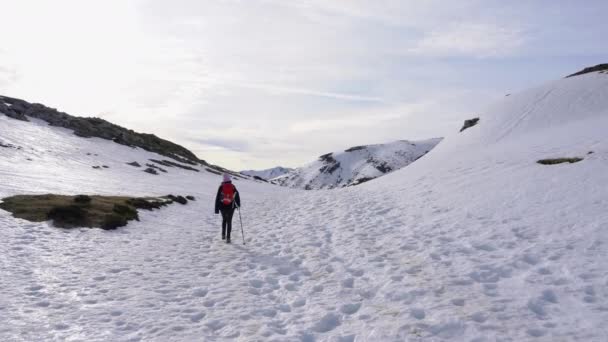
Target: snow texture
(268, 173)
(474, 242)
(356, 165)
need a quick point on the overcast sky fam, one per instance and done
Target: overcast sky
(260, 83)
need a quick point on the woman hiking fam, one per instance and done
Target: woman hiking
(226, 201)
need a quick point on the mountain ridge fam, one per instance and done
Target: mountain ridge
(356, 165)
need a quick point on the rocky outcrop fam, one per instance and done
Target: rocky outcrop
(599, 67)
(355, 165)
(96, 127)
(469, 123)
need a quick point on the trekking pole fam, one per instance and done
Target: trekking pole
(241, 219)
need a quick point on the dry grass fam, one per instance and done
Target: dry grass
(107, 212)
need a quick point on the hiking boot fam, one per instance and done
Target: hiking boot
(228, 240)
(223, 237)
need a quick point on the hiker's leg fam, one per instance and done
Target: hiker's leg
(224, 223)
(229, 214)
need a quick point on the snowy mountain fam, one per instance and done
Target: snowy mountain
(356, 165)
(476, 241)
(179, 157)
(268, 173)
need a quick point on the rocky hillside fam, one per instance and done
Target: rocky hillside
(356, 165)
(268, 173)
(96, 127)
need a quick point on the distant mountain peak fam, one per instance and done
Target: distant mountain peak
(267, 174)
(356, 165)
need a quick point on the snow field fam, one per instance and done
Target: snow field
(473, 242)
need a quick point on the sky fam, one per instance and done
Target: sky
(252, 84)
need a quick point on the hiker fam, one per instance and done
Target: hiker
(226, 201)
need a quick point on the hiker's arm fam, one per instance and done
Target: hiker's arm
(237, 198)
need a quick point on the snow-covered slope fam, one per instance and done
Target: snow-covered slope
(356, 165)
(474, 242)
(268, 173)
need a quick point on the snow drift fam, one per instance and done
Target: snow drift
(474, 242)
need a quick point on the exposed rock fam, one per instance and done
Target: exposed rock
(136, 164)
(156, 167)
(355, 148)
(213, 171)
(355, 165)
(151, 171)
(190, 198)
(181, 200)
(599, 67)
(556, 161)
(96, 127)
(469, 123)
(7, 145)
(169, 163)
(260, 179)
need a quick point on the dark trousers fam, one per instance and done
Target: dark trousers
(227, 221)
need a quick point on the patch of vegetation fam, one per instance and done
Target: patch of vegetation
(126, 211)
(107, 212)
(69, 216)
(559, 161)
(113, 221)
(82, 199)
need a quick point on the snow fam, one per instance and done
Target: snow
(355, 165)
(268, 173)
(473, 242)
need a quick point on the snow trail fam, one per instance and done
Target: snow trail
(474, 242)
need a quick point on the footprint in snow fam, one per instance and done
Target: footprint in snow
(417, 313)
(349, 309)
(328, 323)
(197, 317)
(348, 283)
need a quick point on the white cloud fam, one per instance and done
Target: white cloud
(471, 40)
(277, 82)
